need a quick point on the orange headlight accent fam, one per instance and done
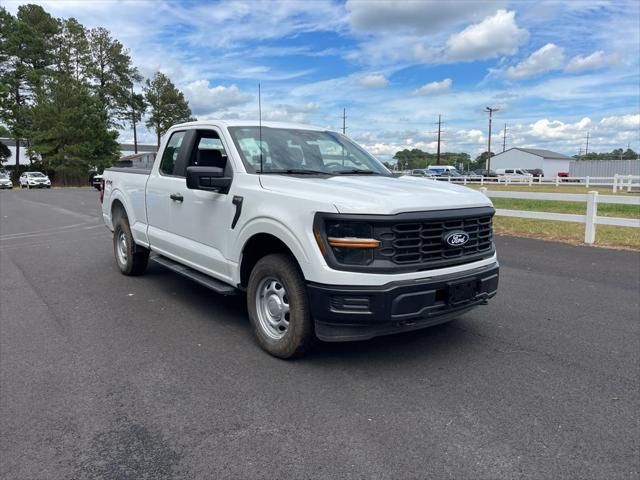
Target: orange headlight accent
(354, 242)
(323, 249)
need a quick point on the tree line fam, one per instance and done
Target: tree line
(617, 154)
(417, 159)
(67, 90)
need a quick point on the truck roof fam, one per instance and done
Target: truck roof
(250, 123)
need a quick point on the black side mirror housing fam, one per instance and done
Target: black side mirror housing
(211, 179)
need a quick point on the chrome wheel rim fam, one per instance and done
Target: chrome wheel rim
(121, 248)
(272, 305)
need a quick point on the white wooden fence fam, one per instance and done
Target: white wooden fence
(590, 218)
(617, 182)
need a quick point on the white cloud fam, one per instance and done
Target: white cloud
(473, 136)
(545, 129)
(493, 36)
(434, 88)
(596, 60)
(549, 57)
(417, 16)
(628, 122)
(205, 99)
(373, 81)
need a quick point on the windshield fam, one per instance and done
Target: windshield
(294, 151)
(4, 175)
(35, 174)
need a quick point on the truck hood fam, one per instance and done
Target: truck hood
(376, 194)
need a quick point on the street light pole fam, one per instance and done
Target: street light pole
(488, 162)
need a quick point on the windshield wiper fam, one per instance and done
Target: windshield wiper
(296, 171)
(356, 171)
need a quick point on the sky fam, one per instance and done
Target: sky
(556, 70)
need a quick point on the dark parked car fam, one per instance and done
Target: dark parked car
(485, 173)
(447, 174)
(96, 181)
(536, 172)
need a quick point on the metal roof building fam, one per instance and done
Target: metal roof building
(531, 158)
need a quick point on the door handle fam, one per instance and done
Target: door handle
(176, 197)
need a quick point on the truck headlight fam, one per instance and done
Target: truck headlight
(351, 242)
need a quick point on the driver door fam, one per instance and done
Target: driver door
(203, 218)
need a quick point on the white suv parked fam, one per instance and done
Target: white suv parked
(34, 180)
(5, 181)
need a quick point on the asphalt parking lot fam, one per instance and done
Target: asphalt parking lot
(105, 376)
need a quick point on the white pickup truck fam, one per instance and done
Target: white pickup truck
(325, 242)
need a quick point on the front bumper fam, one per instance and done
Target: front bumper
(344, 313)
(39, 185)
(6, 185)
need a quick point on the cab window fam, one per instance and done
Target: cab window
(209, 151)
(170, 155)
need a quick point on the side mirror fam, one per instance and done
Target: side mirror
(211, 179)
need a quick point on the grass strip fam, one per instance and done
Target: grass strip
(580, 208)
(552, 189)
(606, 235)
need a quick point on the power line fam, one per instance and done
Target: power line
(439, 130)
(586, 150)
(490, 110)
(504, 138)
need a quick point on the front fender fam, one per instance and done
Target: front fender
(282, 232)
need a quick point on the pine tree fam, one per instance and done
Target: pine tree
(26, 55)
(167, 105)
(112, 75)
(137, 107)
(68, 132)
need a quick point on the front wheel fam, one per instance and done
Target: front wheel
(132, 259)
(278, 306)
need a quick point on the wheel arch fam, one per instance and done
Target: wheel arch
(258, 246)
(118, 205)
(117, 211)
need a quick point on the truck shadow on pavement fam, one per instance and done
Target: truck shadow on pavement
(231, 312)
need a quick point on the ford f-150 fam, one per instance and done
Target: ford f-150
(323, 239)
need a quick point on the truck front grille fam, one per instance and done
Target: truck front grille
(420, 243)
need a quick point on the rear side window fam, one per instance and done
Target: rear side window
(170, 154)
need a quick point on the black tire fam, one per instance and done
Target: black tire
(299, 335)
(135, 258)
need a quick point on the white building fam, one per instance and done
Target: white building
(531, 158)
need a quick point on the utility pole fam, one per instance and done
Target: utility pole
(488, 162)
(504, 138)
(438, 152)
(133, 118)
(586, 150)
(344, 121)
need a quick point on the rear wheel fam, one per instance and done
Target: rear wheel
(131, 259)
(278, 306)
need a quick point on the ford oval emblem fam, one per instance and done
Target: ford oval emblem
(456, 239)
